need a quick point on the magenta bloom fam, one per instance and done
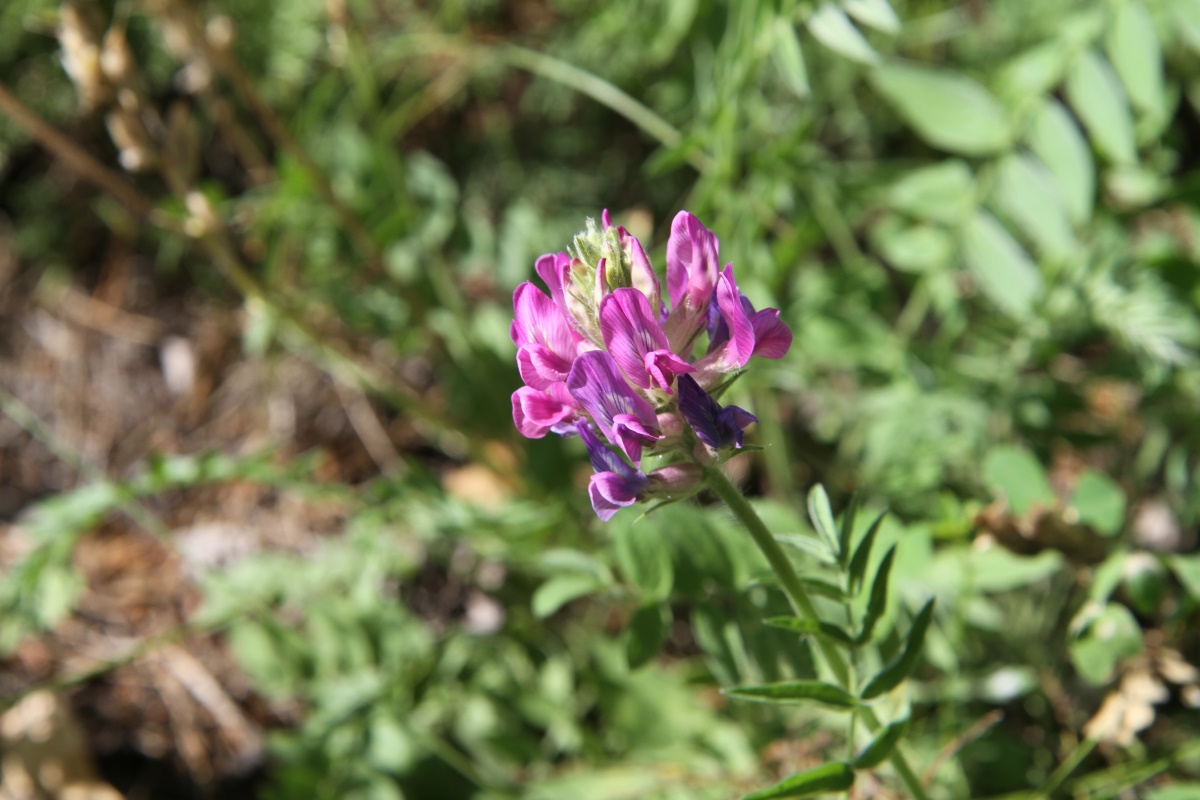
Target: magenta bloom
(624, 417)
(615, 484)
(637, 341)
(604, 353)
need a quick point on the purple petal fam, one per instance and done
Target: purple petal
(603, 459)
(631, 435)
(605, 219)
(536, 412)
(715, 426)
(691, 260)
(662, 366)
(540, 366)
(552, 268)
(537, 320)
(630, 331)
(610, 493)
(623, 417)
(740, 344)
(772, 337)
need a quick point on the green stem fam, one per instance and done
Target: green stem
(803, 606)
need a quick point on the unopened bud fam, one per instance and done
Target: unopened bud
(676, 481)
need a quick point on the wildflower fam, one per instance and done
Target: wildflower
(604, 354)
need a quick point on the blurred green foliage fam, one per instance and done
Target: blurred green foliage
(980, 220)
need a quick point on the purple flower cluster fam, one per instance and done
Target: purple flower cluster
(604, 351)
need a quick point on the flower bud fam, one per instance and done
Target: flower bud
(675, 481)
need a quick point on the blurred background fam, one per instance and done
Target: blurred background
(267, 531)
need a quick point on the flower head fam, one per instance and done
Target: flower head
(604, 354)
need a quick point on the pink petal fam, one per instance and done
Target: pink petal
(535, 412)
(609, 494)
(772, 337)
(552, 268)
(630, 331)
(691, 260)
(540, 366)
(537, 320)
(662, 366)
(740, 346)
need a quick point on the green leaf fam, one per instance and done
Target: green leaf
(645, 560)
(946, 109)
(1187, 16)
(810, 627)
(914, 249)
(1110, 635)
(877, 14)
(560, 590)
(846, 527)
(1134, 51)
(1187, 570)
(862, 555)
(891, 675)
(943, 192)
(825, 694)
(1027, 194)
(832, 28)
(646, 632)
(1177, 791)
(1098, 99)
(1033, 72)
(821, 514)
(877, 602)
(1100, 502)
(881, 746)
(836, 777)
(789, 58)
(1004, 272)
(1014, 474)
(1060, 145)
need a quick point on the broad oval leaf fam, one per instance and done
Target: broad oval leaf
(1134, 51)
(560, 590)
(825, 694)
(946, 109)
(881, 746)
(1005, 273)
(832, 28)
(891, 675)
(1186, 14)
(1014, 474)
(1033, 72)
(1058, 142)
(1028, 195)
(877, 14)
(836, 777)
(1098, 99)
(943, 192)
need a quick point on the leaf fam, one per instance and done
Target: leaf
(1187, 16)
(891, 675)
(1187, 570)
(1097, 97)
(943, 192)
(1004, 272)
(832, 28)
(825, 694)
(836, 777)
(846, 527)
(1100, 502)
(881, 746)
(877, 14)
(877, 603)
(560, 590)
(646, 632)
(862, 555)
(810, 627)
(644, 559)
(1112, 634)
(1014, 474)
(1027, 194)
(1056, 139)
(821, 514)
(1177, 791)
(1033, 72)
(1134, 51)
(915, 249)
(789, 58)
(946, 109)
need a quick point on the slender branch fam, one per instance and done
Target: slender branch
(798, 596)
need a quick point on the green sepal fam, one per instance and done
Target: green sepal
(835, 777)
(882, 745)
(792, 692)
(898, 670)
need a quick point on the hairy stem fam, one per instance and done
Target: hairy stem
(803, 606)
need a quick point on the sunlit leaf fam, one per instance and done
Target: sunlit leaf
(824, 694)
(1097, 97)
(877, 14)
(1133, 48)
(1005, 274)
(832, 28)
(789, 58)
(942, 192)
(1027, 194)
(946, 109)
(1059, 143)
(837, 777)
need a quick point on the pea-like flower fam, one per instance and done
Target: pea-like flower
(604, 352)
